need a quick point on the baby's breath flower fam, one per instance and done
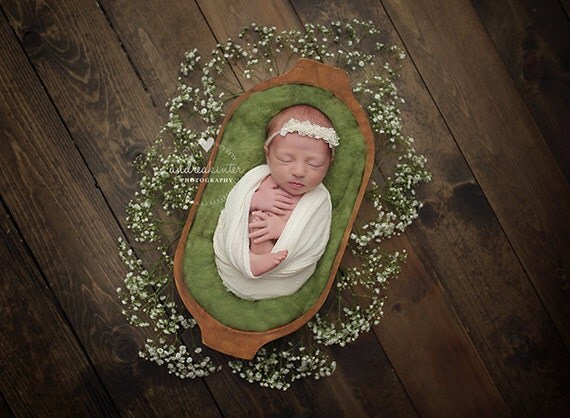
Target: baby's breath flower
(277, 366)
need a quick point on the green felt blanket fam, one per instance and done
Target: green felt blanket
(241, 149)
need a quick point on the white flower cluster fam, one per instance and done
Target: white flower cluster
(178, 360)
(146, 306)
(358, 286)
(277, 367)
(168, 169)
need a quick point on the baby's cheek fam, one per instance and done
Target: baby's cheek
(324, 172)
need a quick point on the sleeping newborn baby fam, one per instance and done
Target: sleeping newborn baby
(275, 225)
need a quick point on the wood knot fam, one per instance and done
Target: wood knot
(125, 348)
(531, 66)
(32, 41)
(134, 153)
(428, 215)
(469, 204)
(398, 309)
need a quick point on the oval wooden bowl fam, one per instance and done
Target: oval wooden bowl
(244, 344)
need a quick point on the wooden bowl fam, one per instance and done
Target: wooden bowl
(244, 344)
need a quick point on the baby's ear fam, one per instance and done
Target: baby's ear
(266, 150)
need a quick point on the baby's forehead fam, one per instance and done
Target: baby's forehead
(295, 141)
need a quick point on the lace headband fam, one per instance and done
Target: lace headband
(309, 129)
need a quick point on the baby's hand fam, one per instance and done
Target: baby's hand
(265, 227)
(269, 197)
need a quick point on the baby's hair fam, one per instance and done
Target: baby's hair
(299, 112)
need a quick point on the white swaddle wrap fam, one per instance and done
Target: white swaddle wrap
(305, 236)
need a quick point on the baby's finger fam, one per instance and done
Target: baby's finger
(258, 224)
(257, 233)
(262, 239)
(277, 211)
(260, 214)
(285, 195)
(284, 205)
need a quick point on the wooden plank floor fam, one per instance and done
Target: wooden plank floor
(476, 326)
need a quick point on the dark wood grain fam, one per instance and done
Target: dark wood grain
(499, 139)
(430, 348)
(5, 410)
(566, 7)
(482, 303)
(365, 369)
(94, 86)
(156, 38)
(72, 234)
(54, 376)
(532, 38)
(489, 287)
(363, 384)
(241, 14)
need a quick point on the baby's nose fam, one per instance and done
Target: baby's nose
(298, 169)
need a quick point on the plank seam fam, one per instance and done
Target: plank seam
(107, 17)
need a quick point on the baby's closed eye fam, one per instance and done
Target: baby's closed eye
(285, 158)
(315, 163)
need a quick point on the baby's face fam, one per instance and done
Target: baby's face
(298, 164)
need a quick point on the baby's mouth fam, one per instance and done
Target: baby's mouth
(296, 185)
